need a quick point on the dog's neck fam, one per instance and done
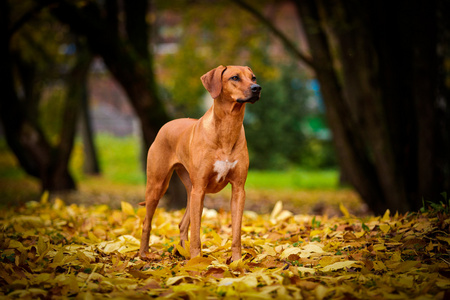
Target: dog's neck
(224, 121)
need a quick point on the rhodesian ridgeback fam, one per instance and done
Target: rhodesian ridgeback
(207, 154)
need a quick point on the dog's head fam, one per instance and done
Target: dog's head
(234, 82)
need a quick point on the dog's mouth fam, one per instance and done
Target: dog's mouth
(252, 99)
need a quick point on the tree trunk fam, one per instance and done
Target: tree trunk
(443, 101)
(91, 165)
(129, 61)
(19, 117)
(350, 150)
(386, 102)
(58, 172)
(378, 70)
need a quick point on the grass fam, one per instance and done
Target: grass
(301, 190)
(120, 163)
(119, 159)
(293, 179)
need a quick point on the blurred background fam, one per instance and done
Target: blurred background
(354, 106)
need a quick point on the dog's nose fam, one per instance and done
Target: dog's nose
(255, 88)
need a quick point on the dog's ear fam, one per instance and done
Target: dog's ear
(250, 69)
(212, 81)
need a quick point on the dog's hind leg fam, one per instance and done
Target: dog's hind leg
(157, 184)
(185, 221)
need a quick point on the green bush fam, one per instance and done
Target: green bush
(282, 128)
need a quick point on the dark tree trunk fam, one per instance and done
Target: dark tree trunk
(91, 165)
(382, 109)
(385, 92)
(129, 60)
(23, 133)
(58, 172)
(443, 101)
(350, 149)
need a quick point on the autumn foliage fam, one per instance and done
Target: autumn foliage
(52, 250)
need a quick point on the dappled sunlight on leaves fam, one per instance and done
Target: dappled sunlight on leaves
(50, 249)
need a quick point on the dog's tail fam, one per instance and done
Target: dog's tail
(142, 203)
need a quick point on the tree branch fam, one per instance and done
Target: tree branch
(290, 46)
(26, 17)
(136, 26)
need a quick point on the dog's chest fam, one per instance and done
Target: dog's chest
(222, 167)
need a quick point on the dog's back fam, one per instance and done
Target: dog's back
(171, 132)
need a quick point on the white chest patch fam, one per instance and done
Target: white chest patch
(223, 167)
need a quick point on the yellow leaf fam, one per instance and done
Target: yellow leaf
(406, 281)
(183, 251)
(93, 238)
(397, 256)
(238, 264)
(379, 266)
(217, 240)
(59, 256)
(386, 215)
(444, 238)
(257, 295)
(249, 280)
(379, 247)
(44, 197)
(276, 211)
(321, 292)
(360, 234)
(36, 291)
(283, 216)
(209, 213)
(179, 279)
(28, 221)
(127, 208)
(406, 266)
(40, 278)
(327, 260)
(344, 210)
(109, 247)
(188, 288)
(269, 250)
(59, 204)
(41, 246)
(83, 258)
(385, 228)
(289, 251)
(13, 244)
(338, 265)
(198, 263)
(312, 248)
(315, 232)
(304, 270)
(443, 283)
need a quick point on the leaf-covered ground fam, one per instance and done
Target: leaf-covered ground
(54, 250)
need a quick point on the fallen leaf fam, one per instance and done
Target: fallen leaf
(385, 228)
(338, 265)
(70, 251)
(127, 208)
(344, 210)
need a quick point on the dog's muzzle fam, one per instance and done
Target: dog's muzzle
(256, 92)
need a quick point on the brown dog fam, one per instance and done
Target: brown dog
(207, 154)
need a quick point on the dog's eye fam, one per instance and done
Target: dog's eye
(235, 78)
(254, 78)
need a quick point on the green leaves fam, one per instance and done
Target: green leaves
(76, 251)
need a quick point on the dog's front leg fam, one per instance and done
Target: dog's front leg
(237, 209)
(195, 210)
